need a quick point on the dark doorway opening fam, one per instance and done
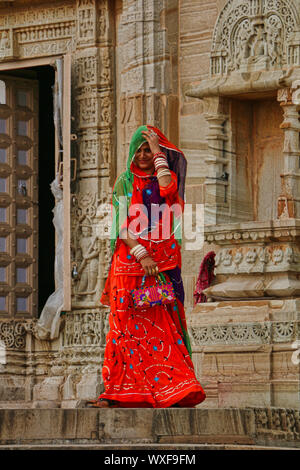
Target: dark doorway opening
(46, 77)
(46, 174)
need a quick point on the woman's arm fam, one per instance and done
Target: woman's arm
(150, 266)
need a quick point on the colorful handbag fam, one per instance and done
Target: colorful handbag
(161, 293)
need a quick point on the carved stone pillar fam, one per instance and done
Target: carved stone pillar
(146, 80)
(216, 182)
(289, 199)
(94, 105)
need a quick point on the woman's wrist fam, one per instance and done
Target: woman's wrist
(160, 161)
(139, 252)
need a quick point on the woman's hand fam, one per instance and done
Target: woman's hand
(150, 267)
(152, 140)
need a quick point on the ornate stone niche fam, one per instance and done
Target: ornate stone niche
(252, 117)
(255, 35)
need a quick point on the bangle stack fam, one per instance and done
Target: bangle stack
(161, 164)
(139, 252)
(160, 160)
(163, 172)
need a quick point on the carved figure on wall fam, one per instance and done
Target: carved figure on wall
(274, 30)
(242, 50)
(277, 255)
(4, 42)
(289, 255)
(102, 22)
(86, 24)
(251, 256)
(88, 268)
(105, 65)
(105, 149)
(227, 258)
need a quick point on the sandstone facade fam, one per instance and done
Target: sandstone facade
(221, 79)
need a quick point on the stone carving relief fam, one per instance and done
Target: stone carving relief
(86, 25)
(105, 66)
(88, 267)
(85, 329)
(94, 103)
(87, 108)
(284, 421)
(37, 16)
(84, 246)
(37, 32)
(94, 108)
(257, 259)
(90, 246)
(6, 44)
(253, 35)
(12, 335)
(86, 70)
(102, 19)
(88, 148)
(106, 110)
(245, 333)
(105, 146)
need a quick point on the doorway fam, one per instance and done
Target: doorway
(27, 164)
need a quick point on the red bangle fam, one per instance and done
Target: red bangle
(143, 256)
(161, 154)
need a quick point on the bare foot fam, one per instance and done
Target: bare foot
(102, 403)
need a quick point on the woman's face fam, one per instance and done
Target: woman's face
(144, 158)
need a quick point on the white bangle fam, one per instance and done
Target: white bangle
(139, 252)
(163, 172)
(161, 162)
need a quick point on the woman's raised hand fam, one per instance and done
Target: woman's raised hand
(152, 140)
(150, 267)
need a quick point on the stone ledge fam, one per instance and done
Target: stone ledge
(138, 447)
(168, 427)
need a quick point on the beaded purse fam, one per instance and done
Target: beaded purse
(161, 293)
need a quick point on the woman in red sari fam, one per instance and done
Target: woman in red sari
(147, 359)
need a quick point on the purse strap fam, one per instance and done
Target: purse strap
(160, 279)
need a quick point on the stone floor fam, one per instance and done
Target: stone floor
(126, 429)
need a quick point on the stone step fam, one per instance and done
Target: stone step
(167, 428)
(137, 447)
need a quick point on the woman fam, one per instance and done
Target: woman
(147, 357)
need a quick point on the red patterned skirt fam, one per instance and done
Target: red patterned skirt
(146, 363)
